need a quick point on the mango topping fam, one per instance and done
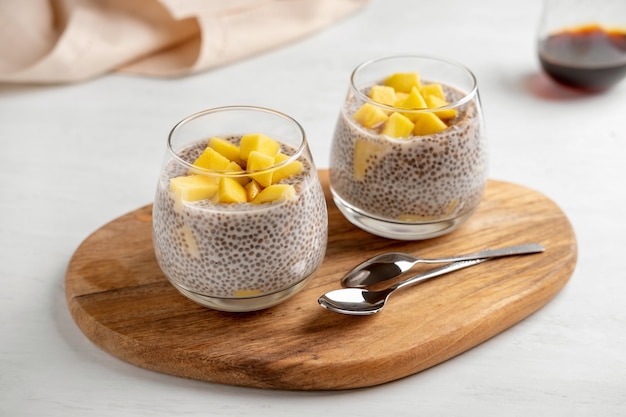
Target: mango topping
(420, 111)
(292, 168)
(228, 150)
(230, 191)
(434, 102)
(404, 91)
(256, 152)
(383, 94)
(260, 161)
(403, 81)
(257, 142)
(275, 192)
(192, 188)
(369, 115)
(413, 101)
(398, 126)
(211, 159)
(252, 190)
(433, 89)
(427, 124)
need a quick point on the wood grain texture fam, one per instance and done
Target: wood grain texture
(121, 301)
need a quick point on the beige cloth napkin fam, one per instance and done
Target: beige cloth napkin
(56, 41)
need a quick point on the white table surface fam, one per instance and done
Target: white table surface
(73, 157)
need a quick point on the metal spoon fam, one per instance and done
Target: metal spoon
(390, 265)
(360, 302)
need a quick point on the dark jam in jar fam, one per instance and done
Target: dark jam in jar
(587, 57)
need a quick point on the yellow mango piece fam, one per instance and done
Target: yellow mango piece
(400, 98)
(434, 102)
(369, 116)
(190, 244)
(228, 150)
(413, 101)
(252, 190)
(363, 150)
(275, 192)
(230, 191)
(192, 188)
(427, 124)
(235, 167)
(292, 168)
(213, 160)
(246, 293)
(257, 142)
(398, 126)
(433, 89)
(383, 94)
(260, 161)
(403, 81)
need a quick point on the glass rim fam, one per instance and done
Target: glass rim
(245, 172)
(467, 96)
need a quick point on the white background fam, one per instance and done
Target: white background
(73, 157)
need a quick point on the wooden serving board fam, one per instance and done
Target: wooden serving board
(121, 301)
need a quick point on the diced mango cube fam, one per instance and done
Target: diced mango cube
(246, 293)
(235, 167)
(433, 89)
(213, 160)
(363, 151)
(257, 142)
(369, 115)
(252, 190)
(292, 168)
(428, 123)
(230, 191)
(190, 244)
(413, 101)
(400, 98)
(403, 81)
(193, 188)
(383, 94)
(260, 161)
(436, 102)
(398, 126)
(275, 192)
(225, 148)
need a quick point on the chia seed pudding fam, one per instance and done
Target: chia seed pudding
(239, 250)
(418, 179)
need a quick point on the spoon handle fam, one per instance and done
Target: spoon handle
(454, 266)
(493, 253)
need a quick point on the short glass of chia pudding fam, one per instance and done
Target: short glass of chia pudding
(409, 155)
(239, 217)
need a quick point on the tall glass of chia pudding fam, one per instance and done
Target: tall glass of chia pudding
(239, 217)
(409, 155)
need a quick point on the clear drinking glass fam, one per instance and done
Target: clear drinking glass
(238, 256)
(582, 43)
(421, 185)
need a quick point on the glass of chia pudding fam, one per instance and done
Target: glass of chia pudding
(409, 155)
(239, 217)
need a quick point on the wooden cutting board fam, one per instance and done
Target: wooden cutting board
(121, 301)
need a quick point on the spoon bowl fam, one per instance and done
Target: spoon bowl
(390, 265)
(361, 302)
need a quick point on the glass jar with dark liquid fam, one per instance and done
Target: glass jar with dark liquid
(587, 56)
